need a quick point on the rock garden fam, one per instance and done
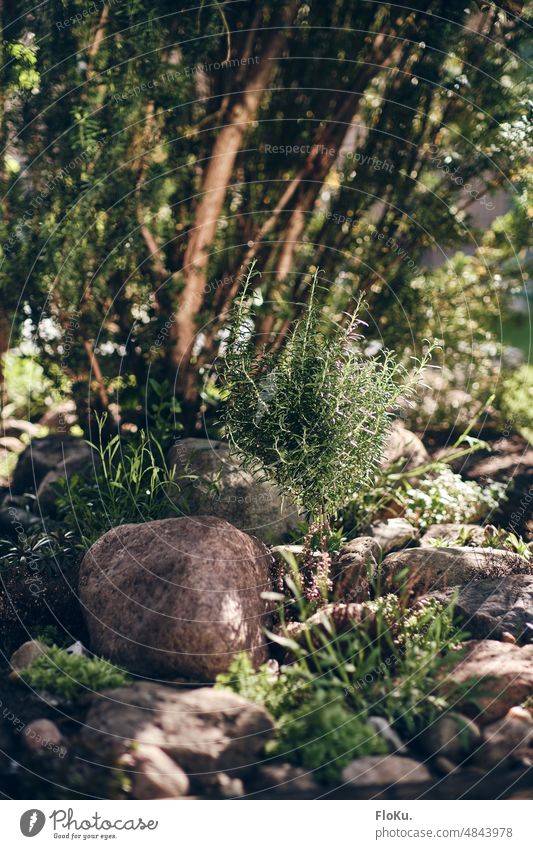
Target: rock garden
(266, 402)
(311, 604)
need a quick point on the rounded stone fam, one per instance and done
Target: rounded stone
(176, 597)
(214, 482)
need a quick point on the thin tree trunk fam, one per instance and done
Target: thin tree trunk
(240, 111)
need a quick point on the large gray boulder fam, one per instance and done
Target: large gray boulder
(176, 597)
(202, 731)
(221, 487)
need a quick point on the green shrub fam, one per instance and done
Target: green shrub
(70, 675)
(314, 415)
(516, 400)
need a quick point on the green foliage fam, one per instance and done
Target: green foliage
(162, 412)
(446, 497)
(513, 542)
(71, 675)
(52, 635)
(261, 685)
(516, 400)
(92, 127)
(386, 665)
(314, 416)
(29, 393)
(49, 551)
(129, 482)
(490, 537)
(390, 484)
(323, 734)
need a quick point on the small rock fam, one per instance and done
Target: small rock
(46, 491)
(41, 736)
(350, 572)
(284, 779)
(77, 648)
(451, 736)
(445, 766)
(278, 551)
(494, 608)
(204, 730)
(222, 784)
(392, 534)
(509, 737)
(452, 532)
(404, 443)
(46, 454)
(14, 515)
(384, 771)
(497, 676)
(154, 775)
(27, 653)
(176, 597)
(438, 568)
(388, 733)
(224, 489)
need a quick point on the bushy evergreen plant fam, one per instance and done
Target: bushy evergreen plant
(314, 415)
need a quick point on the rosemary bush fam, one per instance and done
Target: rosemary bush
(314, 415)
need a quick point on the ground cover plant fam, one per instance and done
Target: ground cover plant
(490, 537)
(45, 551)
(387, 665)
(70, 675)
(428, 494)
(446, 497)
